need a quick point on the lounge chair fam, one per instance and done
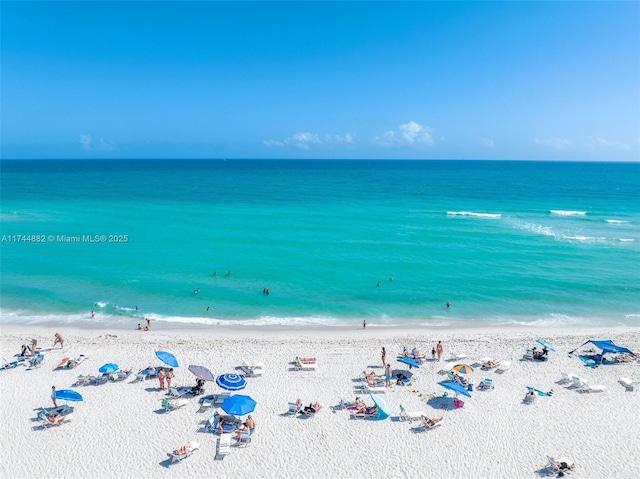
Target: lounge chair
(503, 366)
(36, 361)
(122, 374)
(490, 364)
(224, 446)
(528, 355)
(294, 408)
(426, 425)
(479, 362)
(457, 357)
(180, 392)
(212, 400)
(565, 465)
(409, 416)
(13, 364)
(64, 413)
(146, 373)
(302, 365)
(243, 438)
(576, 381)
(311, 410)
(253, 364)
(486, 385)
(169, 406)
(190, 448)
(595, 388)
(251, 372)
(628, 383)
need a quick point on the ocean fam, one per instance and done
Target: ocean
(333, 242)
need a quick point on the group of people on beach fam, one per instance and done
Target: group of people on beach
(30, 349)
(165, 376)
(145, 328)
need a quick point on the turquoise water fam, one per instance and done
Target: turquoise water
(504, 242)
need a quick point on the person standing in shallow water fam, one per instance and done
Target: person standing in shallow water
(364, 324)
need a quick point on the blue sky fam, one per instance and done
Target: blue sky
(494, 80)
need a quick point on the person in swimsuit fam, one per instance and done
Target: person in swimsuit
(389, 375)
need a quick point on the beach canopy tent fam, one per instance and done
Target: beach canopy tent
(607, 346)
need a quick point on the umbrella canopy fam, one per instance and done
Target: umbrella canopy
(383, 410)
(231, 382)
(167, 358)
(463, 368)
(238, 405)
(108, 368)
(202, 373)
(67, 395)
(407, 374)
(409, 361)
(458, 388)
(547, 345)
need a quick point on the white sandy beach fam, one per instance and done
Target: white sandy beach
(118, 430)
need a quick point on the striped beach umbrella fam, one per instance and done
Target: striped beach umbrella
(463, 368)
(231, 382)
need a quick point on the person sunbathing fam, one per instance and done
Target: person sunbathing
(373, 379)
(312, 408)
(372, 410)
(360, 406)
(249, 424)
(55, 418)
(492, 363)
(183, 450)
(305, 360)
(565, 465)
(431, 422)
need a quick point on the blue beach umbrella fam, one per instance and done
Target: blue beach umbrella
(409, 361)
(202, 373)
(67, 395)
(383, 410)
(231, 382)
(547, 345)
(238, 405)
(108, 368)
(458, 388)
(167, 358)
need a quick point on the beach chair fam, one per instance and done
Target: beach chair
(479, 362)
(243, 438)
(595, 388)
(304, 411)
(426, 425)
(252, 364)
(576, 381)
(13, 364)
(503, 366)
(169, 406)
(486, 385)
(409, 416)
(457, 357)
(190, 448)
(180, 392)
(528, 355)
(212, 400)
(36, 361)
(490, 364)
(294, 408)
(224, 446)
(122, 374)
(628, 383)
(555, 466)
(251, 372)
(301, 365)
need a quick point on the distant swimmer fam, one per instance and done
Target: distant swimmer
(137, 308)
(214, 273)
(196, 291)
(93, 314)
(229, 273)
(207, 309)
(448, 303)
(378, 283)
(390, 278)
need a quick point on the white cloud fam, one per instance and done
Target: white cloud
(599, 142)
(101, 145)
(409, 134)
(557, 143)
(85, 141)
(304, 140)
(486, 142)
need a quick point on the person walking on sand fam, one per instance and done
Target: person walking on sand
(389, 375)
(93, 314)
(53, 396)
(384, 357)
(439, 350)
